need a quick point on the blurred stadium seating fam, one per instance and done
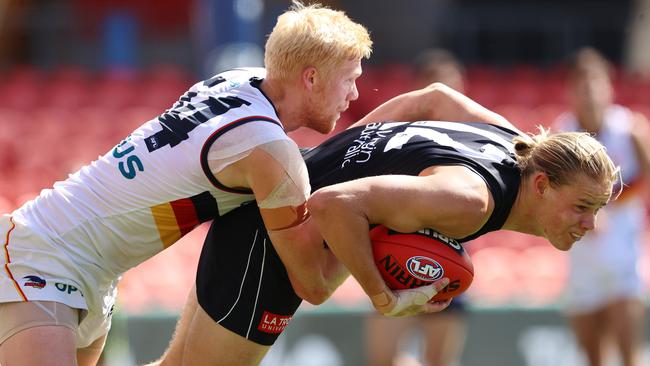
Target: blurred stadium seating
(54, 121)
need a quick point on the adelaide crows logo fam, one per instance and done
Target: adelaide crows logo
(34, 281)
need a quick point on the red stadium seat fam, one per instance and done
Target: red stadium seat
(485, 93)
(167, 74)
(520, 116)
(633, 90)
(6, 205)
(547, 114)
(24, 74)
(19, 95)
(378, 84)
(527, 73)
(131, 118)
(52, 123)
(494, 272)
(641, 108)
(25, 196)
(65, 93)
(160, 95)
(557, 72)
(553, 91)
(524, 93)
(542, 274)
(71, 73)
(482, 74)
(115, 92)
(12, 125)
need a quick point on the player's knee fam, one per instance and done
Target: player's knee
(315, 296)
(321, 200)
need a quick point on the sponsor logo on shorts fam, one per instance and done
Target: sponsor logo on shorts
(424, 268)
(34, 281)
(273, 323)
(67, 288)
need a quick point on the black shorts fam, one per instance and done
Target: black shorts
(241, 282)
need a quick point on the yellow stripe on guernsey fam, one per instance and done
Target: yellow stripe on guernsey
(177, 218)
(166, 223)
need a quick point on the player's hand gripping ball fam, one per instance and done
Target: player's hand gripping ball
(416, 259)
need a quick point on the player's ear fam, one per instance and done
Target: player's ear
(309, 76)
(541, 183)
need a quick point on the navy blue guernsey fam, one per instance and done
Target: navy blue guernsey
(409, 148)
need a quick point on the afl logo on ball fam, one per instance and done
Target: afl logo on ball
(424, 268)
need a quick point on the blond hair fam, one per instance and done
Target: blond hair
(314, 36)
(563, 156)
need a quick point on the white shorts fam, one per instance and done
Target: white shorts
(36, 268)
(604, 264)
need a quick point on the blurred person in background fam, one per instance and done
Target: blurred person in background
(444, 332)
(604, 305)
(13, 39)
(223, 143)
(638, 40)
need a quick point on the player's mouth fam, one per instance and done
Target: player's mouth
(576, 237)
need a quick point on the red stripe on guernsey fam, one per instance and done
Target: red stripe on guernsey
(8, 259)
(185, 213)
(177, 218)
(210, 140)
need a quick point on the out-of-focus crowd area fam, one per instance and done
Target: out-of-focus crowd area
(64, 104)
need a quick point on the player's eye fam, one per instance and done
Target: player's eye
(581, 208)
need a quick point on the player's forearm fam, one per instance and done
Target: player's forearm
(301, 250)
(436, 102)
(442, 103)
(334, 271)
(345, 230)
(317, 284)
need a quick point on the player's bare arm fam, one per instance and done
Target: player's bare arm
(450, 199)
(312, 268)
(436, 102)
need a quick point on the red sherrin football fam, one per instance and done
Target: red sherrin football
(416, 259)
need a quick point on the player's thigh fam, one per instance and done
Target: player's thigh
(89, 356)
(241, 282)
(208, 343)
(38, 333)
(174, 353)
